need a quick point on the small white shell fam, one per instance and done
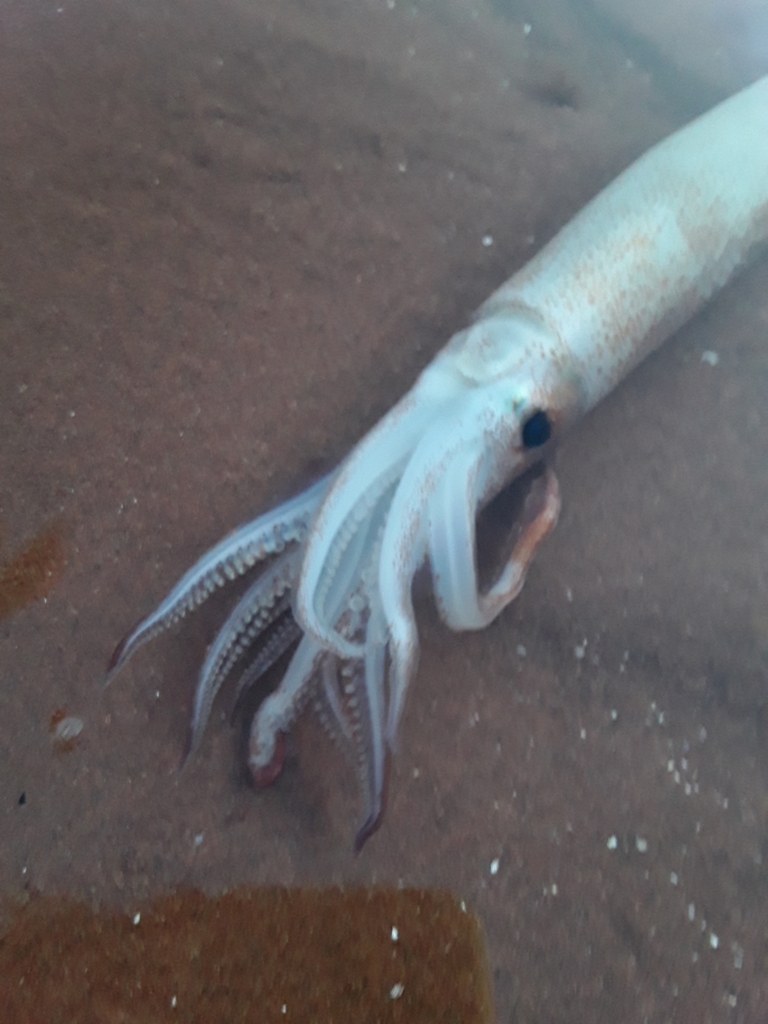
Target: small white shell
(68, 729)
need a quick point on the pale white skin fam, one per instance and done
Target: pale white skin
(628, 270)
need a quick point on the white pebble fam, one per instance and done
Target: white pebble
(68, 729)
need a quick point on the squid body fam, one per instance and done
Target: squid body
(339, 559)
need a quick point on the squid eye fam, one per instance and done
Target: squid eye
(537, 430)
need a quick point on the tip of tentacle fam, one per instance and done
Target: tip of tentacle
(189, 746)
(376, 812)
(118, 658)
(404, 658)
(265, 775)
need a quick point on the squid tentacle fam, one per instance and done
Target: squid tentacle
(280, 709)
(329, 706)
(266, 600)
(363, 693)
(233, 556)
(279, 636)
(376, 457)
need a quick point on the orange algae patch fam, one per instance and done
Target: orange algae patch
(268, 955)
(34, 571)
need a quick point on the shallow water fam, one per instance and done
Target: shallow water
(231, 234)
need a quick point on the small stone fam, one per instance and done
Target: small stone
(66, 730)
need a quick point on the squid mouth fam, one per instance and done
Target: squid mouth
(508, 524)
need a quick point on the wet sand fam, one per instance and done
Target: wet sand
(230, 236)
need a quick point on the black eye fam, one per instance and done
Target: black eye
(537, 430)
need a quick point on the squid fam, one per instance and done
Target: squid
(338, 561)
